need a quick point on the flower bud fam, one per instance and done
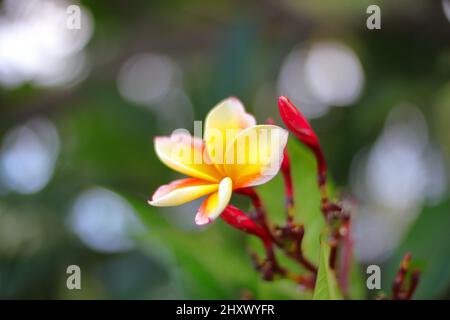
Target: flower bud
(296, 122)
(238, 219)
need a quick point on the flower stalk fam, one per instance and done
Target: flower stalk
(239, 220)
(287, 238)
(288, 185)
(401, 288)
(346, 257)
(259, 215)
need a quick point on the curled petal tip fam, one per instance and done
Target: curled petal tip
(152, 200)
(202, 221)
(215, 203)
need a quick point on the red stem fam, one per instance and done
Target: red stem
(298, 252)
(261, 219)
(346, 258)
(241, 221)
(399, 281)
(288, 186)
(287, 179)
(260, 214)
(413, 285)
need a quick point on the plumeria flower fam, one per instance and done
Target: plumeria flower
(235, 153)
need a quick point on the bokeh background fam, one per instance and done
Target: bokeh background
(79, 109)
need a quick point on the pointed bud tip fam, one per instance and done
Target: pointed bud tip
(287, 108)
(283, 99)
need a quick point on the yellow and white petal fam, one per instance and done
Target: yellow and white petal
(181, 191)
(222, 124)
(214, 204)
(255, 155)
(186, 154)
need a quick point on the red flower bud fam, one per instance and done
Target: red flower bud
(238, 219)
(296, 122)
(300, 127)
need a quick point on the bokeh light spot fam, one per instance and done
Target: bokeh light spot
(28, 156)
(104, 221)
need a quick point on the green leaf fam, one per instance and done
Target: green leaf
(357, 288)
(326, 283)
